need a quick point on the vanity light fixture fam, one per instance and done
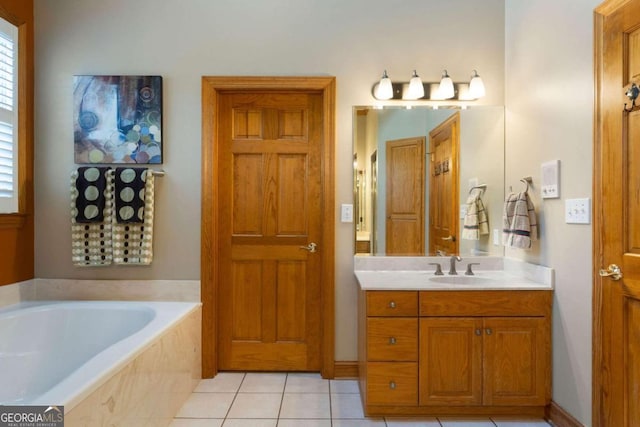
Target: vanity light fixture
(445, 90)
(416, 89)
(385, 89)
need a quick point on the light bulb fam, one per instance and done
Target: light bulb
(416, 90)
(476, 86)
(445, 90)
(385, 90)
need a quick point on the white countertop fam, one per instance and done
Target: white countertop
(492, 274)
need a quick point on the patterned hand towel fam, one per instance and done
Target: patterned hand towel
(520, 225)
(91, 206)
(475, 220)
(132, 219)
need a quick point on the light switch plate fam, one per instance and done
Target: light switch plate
(577, 211)
(346, 213)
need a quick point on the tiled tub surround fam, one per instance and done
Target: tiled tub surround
(139, 376)
(100, 290)
(164, 371)
(417, 273)
(150, 389)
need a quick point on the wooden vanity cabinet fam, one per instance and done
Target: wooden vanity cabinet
(456, 352)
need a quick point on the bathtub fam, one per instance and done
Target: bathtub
(90, 352)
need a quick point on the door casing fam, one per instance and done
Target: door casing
(211, 88)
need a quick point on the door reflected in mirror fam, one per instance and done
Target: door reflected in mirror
(418, 176)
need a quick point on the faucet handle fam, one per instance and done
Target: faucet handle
(469, 272)
(438, 271)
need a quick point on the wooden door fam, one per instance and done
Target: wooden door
(516, 361)
(444, 144)
(616, 339)
(270, 189)
(405, 196)
(450, 361)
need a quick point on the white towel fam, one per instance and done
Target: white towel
(475, 220)
(520, 225)
(133, 241)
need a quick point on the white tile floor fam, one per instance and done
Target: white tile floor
(299, 400)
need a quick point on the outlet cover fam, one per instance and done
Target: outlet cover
(346, 213)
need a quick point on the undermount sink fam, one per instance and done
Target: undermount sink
(460, 280)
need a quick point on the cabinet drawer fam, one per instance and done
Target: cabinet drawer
(392, 303)
(392, 383)
(392, 339)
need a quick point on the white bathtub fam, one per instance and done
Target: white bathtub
(58, 353)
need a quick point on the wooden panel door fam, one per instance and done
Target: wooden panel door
(450, 361)
(271, 209)
(444, 145)
(616, 323)
(405, 196)
(516, 362)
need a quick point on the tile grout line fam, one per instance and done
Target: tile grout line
(330, 404)
(234, 398)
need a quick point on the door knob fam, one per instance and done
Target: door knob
(311, 247)
(612, 271)
(449, 238)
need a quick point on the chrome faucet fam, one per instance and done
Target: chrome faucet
(452, 264)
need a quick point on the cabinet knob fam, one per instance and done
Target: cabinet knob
(392, 340)
(488, 331)
(392, 385)
(392, 304)
(478, 332)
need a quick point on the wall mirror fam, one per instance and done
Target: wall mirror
(414, 172)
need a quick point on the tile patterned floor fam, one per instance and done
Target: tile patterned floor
(299, 400)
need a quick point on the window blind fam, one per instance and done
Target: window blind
(8, 118)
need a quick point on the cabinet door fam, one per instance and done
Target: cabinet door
(450, 361)
(516, 361)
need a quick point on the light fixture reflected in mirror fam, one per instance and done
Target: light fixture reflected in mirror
(416, 89)
(476, 86)
(385, 89)
(445, 90)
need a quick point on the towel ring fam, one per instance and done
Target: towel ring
(527, 180)
(478, 187)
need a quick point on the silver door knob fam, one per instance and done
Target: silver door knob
(449, 238)
(311, 247)
(612, 271)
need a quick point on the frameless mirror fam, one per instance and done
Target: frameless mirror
(416, 173)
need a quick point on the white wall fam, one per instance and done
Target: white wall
(182, 40)
(549, 104)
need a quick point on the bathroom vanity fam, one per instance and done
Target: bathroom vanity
(454, 344)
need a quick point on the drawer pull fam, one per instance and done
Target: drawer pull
(392, 304)
(488, 331)
(392, 340)
(478, 332)
(392, 385)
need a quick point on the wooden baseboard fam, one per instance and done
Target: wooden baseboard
(561, 418)
(346, 369)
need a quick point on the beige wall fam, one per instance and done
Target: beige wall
(549, 101)
(184, 40)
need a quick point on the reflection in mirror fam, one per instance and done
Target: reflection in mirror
(414, 176)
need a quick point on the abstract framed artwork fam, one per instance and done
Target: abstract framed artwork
(117, 119)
